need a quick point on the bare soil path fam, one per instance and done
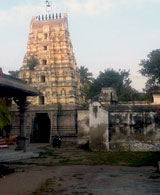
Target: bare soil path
(81, 179)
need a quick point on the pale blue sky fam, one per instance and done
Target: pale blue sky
(105, 33)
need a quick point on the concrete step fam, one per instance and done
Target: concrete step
(16, 155)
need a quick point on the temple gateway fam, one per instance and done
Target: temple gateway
(49, 66)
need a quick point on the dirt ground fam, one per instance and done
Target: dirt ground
(36, 179)
(81, 179)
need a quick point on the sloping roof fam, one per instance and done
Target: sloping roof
(11, 87)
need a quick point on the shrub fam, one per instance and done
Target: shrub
(5, 117)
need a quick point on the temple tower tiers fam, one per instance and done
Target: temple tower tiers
(49, 63)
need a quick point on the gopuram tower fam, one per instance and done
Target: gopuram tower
(49, 64)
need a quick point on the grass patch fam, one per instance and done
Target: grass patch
(63, 162)
(66, 157)
(48, 152)
(135, 159)
(45, 154)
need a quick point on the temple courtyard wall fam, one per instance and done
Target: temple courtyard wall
(109, 128)
(45, 122)
(120, 127)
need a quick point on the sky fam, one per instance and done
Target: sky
(105, 34)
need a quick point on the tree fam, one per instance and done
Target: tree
(86, 80)
(85, 76)
(32, 62)
(14, 73)
(151, 69)
(5, 115)
(119, 80)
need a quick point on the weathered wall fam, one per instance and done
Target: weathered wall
(67, 123)
(114, 127)
(135, 128)
(121, 127)
(62, 123)
(83, 127)
(98, 123)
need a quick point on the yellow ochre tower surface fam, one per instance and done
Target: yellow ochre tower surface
(49, 64)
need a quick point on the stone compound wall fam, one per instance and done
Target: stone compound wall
(62, 123)
(123, 127)
(135, 128)
(113, 127)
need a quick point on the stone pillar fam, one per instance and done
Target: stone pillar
(32, 118)
(50, 115)
(53, 122)
(22, 106)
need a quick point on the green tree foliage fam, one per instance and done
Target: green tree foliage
(119, 80)
(7, 102)
(14, 73)
(151, 69)
(5, 117)
(143, 96)
(86, 79)
(32, 62)
(85, 76)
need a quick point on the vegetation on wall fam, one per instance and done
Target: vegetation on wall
(32, 62)
(59, 106)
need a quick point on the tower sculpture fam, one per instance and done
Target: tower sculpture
(49, 64)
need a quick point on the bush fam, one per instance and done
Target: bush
(5, 117)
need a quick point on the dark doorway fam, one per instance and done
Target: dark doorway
(41, 129)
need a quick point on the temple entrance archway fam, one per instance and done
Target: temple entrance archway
(41, 129)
